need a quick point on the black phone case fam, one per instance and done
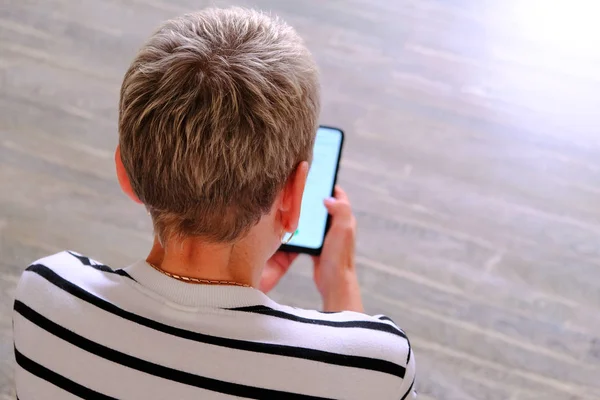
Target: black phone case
(315, 252)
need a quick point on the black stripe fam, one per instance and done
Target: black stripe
(148, 367)
(264, 310)
(125, 274)
(410, 388)
(100, 267)
(257, 347)
(57, 380)
(384, 318)
(86, 261)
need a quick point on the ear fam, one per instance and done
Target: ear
(291, 200)
(123, 178)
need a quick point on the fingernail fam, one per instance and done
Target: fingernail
(330, 200)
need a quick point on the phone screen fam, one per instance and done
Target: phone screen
(319, 185)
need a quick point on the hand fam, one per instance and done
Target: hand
(275, 268)
(334, 270)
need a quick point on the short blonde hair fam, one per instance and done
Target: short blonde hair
(216, 111)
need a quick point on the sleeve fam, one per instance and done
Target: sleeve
(407, 389)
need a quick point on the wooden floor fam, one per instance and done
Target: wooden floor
(473, 160)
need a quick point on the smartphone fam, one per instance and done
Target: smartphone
(320, 184)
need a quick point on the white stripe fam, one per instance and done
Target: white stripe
(409, 377)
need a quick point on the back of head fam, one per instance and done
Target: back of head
(216, 111)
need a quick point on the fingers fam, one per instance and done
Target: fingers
(338, 209)
(282, 260)
(268, 280)
(275, 268)
(340, 194)
(291, 257)
(339, 206)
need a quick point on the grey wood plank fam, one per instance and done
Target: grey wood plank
(472, 159)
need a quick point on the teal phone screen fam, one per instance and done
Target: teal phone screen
(319, 186)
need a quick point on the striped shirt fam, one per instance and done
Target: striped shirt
(84, 330)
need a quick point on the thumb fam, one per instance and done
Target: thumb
(337, 207)
(331, 203)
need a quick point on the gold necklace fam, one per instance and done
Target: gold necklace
(196, 280)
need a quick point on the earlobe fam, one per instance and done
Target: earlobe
(123, 178)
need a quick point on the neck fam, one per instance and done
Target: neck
(195, 258)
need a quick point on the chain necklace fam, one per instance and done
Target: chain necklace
(196, 280)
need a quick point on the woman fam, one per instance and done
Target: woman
(218, 114)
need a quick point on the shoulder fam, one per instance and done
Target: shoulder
(375, 340)
(378, 335)
(68, 261)
(61, 270)
(347, 323)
